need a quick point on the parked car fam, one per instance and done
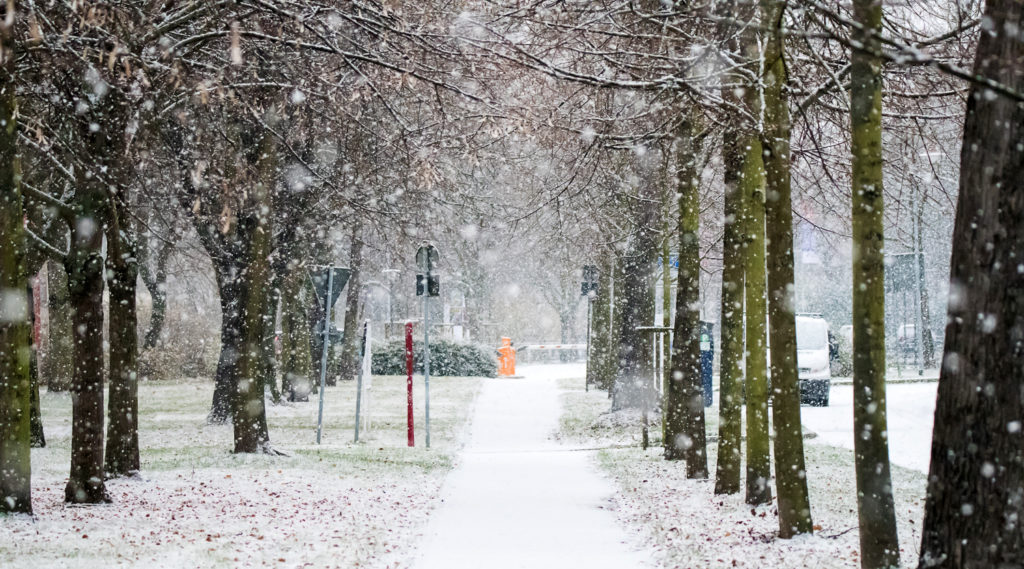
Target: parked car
(813, 360)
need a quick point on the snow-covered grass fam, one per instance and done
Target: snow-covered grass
(689, 526)
(197, 505)
(586, 418)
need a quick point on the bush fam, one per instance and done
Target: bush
(446, 358)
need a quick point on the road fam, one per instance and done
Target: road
(911, 407)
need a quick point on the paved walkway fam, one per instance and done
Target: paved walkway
(519, 500)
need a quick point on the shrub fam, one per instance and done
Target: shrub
(446, 358)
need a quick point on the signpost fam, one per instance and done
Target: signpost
(408, 382)
(363, 350)
(427, 286)
(328, 284)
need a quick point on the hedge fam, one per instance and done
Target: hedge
(446, 358)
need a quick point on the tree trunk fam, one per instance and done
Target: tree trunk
(634, 382)
(85, 288)
(928, 342)
(974, 507)
(296, 360)
(37, 437)
(879, 544)
(122, 455)
(685, 436)
(58, 365)
(350, 342)
(600, 367)
(249, 412)
(248, 402)
(790, 472)
(15, 331)
(156, 284)
(231, 298)
(730, 419)
(759, 464)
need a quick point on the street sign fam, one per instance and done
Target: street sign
(589, 284)
(320, 278)
(427, 283)
(427, 258)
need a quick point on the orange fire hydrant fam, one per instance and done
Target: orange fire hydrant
(506, 358)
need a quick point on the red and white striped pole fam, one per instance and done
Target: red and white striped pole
(408, 383)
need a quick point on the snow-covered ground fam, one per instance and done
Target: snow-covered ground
(910, 406)
(197, 505)
(518, 499)
(687, 525)
(527, 491)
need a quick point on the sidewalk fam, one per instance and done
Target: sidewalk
(519, 500)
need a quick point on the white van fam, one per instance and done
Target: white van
(812, 359)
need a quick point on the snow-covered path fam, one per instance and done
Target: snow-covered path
(520, 500)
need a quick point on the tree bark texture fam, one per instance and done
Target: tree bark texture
(37, 438)
(122, 454)
(85, 288)
(759, 465)
(975, 501)
(730, 419)
(685, 436)
(879, 544)
(790, 471)
(634, 382)
(15, 307)
(249, 414)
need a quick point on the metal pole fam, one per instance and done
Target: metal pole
(408, 381)
(323, 355)
(426, 356)
(359, 381)
(919, 323)
(590, 304)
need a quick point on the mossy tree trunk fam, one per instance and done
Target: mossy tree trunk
(685, 436)
(974, 506)
(790, 471)
(879, 544)
(15, 330)
(731, 383)
(759, 465)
